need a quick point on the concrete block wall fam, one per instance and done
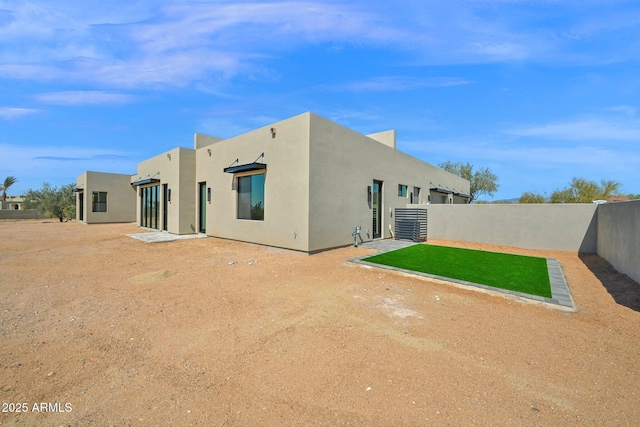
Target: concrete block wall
(21, 214)
(565, 227)
(619, 236)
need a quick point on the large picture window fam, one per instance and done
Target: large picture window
(251, 197)
(99, 201)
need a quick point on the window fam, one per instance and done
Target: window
(99, 201)
(402, 190)
(416, 195)
(251, 197)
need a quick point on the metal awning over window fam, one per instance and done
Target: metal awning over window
(245, 168)
(145, 182)
(77, 190)
(466, 196)
(441, 190)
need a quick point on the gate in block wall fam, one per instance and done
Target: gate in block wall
(411, 224)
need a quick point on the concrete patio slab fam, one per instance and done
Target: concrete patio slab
(386, 245)
(163, 236)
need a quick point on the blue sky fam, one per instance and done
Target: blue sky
(538, 91)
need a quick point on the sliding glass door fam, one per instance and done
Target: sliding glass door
(149, 207)
(203, 196)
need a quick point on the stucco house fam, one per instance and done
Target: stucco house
(304, 184)
(12, 203)
(104, 198)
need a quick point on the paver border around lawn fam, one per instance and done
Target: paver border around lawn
(560, 294)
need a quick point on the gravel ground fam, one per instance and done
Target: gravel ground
(101, 329)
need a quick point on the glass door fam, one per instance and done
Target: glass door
(149, 207)
(376, 204)
(202, 211)
(81, 207)
(165, 206)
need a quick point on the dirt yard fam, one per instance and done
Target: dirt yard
(99, 329)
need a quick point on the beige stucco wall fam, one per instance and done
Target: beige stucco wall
(387, 137)
(567, 227)
(201, 140)
(176, 168)
(121, 197)
(343, 163)
(286, 184)
(619, 236)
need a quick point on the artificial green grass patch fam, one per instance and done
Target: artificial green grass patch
(519, 273)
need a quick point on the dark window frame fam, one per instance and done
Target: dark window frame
(249, 205)
(97, 202)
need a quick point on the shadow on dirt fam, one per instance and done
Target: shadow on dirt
(622, 288)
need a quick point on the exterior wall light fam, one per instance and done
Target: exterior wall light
(209, 151)
(273, 132)
(169, 156)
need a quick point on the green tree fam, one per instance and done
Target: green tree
(583, 191)
(532, 198)
(483, 181)
(57, 202)
(8, 182)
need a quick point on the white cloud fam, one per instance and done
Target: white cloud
(20, 154)
(501, 50)
(586, 128)
(12, 113)
(400, 83)
(176, 44)
(35, 165)
(628, 110)
(538, 153)
(245, 24)
(89, 97)
(35, 72)
(154, 43)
